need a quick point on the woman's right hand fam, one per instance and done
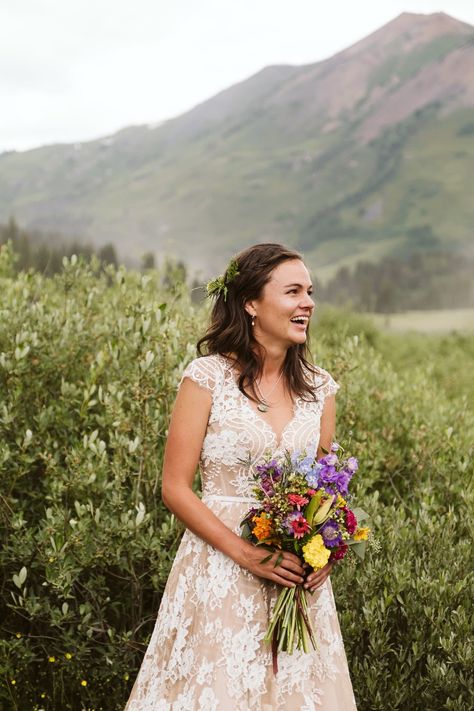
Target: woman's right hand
(288, 573)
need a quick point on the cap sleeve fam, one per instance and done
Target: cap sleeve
(325, 384)
(205, 371)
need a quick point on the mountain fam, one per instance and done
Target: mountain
(362, 155)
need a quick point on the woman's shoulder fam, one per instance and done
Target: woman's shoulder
(205, 370)
(324, 383)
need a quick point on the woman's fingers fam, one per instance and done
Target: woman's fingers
(292, 562)
(317, 578)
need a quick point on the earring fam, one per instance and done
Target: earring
(253, 320)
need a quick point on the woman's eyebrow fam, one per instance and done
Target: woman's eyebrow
(298, 285)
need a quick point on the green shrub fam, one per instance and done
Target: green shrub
(89, 364)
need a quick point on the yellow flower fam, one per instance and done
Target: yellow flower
(18, 635)
(340, 502)
(362, 534)
(83, 682)
(68, 655)
(43, 695)
(51, 659)
(315, 552)
(126, 676)
(263, 527)
(13, 682)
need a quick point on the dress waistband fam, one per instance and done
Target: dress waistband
(229, 499)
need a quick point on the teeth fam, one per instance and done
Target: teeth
(299, 319)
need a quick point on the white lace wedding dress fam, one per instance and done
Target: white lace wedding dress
(207, 651)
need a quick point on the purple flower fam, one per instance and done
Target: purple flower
(330, 459)
(331, 534)
(270, 469)
(335, 447)
(342, 481)
(352, 464)
(328, 474)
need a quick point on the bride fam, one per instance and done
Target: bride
(254, 390)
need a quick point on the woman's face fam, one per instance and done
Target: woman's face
(283, 311)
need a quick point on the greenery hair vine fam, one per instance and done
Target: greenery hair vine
(218, 286)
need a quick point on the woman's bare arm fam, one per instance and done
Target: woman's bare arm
(328, 425)
(185, 437)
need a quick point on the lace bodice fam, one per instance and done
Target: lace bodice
(236, 431)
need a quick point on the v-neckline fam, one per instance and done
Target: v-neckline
(278, 440)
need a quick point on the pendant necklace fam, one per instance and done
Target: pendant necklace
(263, 405)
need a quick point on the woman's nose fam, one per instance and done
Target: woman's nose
(307, 302)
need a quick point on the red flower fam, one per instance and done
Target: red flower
(351, 521)
(297, 500)
(340, 552)
(300, 527)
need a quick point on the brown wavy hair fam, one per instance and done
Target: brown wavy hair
(230, 330)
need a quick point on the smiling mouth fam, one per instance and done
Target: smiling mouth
(300, 320)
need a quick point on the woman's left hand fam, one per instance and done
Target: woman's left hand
(317, 577)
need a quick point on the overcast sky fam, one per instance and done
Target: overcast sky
(73, 70)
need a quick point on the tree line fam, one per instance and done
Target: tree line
(44, 251)
(429, 279)
(419, 281)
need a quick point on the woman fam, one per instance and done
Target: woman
(254, 391)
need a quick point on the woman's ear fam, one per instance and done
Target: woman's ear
(250, 308)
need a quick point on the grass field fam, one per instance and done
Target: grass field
(436, 322)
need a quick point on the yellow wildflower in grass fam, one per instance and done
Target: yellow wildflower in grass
(263, 527)
(362, 534)
(83, 682)
(13, 682)
(18, 635)
(51, 659)
(68, 655)
(43, 695)
(126, 676)
(315, 552)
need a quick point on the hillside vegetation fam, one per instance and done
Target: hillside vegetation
(89, 364)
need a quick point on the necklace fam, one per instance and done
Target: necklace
(263, 404)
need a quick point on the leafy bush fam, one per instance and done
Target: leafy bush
(89, 364)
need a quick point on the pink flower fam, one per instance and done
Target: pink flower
(297, 500)
(300, 526)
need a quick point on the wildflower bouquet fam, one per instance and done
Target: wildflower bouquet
(303, 509)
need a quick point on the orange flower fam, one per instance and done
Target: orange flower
(263, 527)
